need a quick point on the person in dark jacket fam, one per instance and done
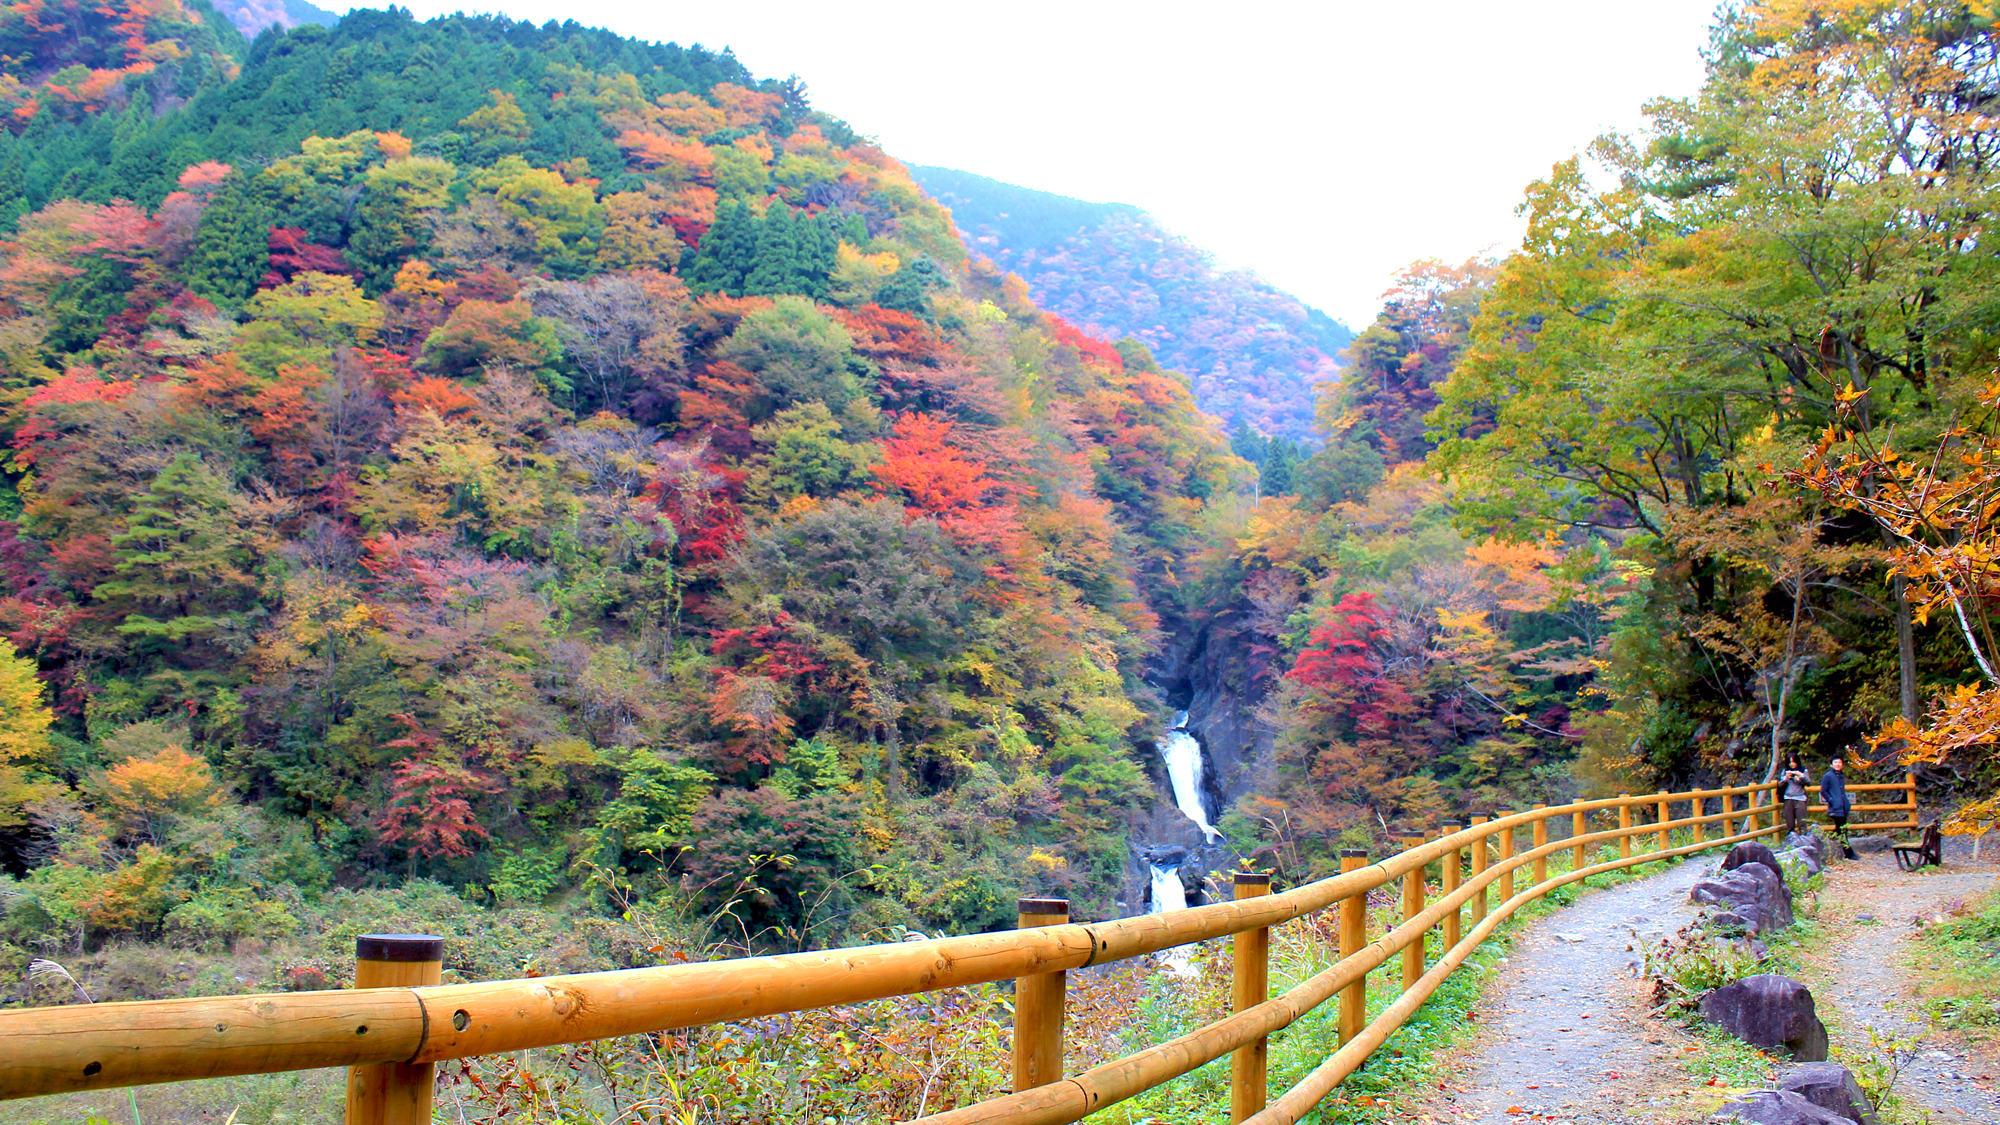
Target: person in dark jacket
(1792, 789)
(1833, 794)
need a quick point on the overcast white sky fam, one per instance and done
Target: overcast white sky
(1324, 145)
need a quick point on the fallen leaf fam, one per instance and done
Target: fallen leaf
(1515, 1109)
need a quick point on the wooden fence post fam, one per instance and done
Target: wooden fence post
(1413, 905)
(1728, 821)
(1038, 1005)
(1247, 1087)
(1478, 900)
(1625, 824)
(1541, 838)
(1700, 829)
(1448, 882)
(394, 1093)
(1665, 816)
(1910, 800)
(1353, 937)
(1506, 853)
(1577, 827)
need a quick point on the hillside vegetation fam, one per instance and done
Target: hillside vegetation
(588, 477)
(1700, 477)
(563, 467)
(1255, 353)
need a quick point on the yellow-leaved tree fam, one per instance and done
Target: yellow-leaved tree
(24, 736)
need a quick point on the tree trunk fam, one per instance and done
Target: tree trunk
(1906, 650)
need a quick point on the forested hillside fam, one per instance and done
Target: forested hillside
(1699, 478)
(578, 472)
(1255, 353)
(563, 467)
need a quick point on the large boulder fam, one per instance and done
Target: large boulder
(1776, 1107)
(1830, 1087)
(1870, 844)
(1770, 1012)
(1808, 842)
(1753, 852)
(1753, 896)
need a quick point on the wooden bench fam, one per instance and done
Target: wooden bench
(1912, 856)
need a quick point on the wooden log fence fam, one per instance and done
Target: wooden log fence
(397, 1023)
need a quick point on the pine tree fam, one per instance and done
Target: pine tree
(776, 266)
(723, 260)
(819, 253)
(1246, 442)
(1280, 473)
(232, 246)
(909, 290)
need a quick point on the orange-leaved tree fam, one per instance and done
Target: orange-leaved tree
(1940, 508)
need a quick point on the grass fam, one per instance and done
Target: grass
(1958, 964)
(303, 1097)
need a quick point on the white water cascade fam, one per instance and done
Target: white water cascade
(1182, 755)
(1168, 894)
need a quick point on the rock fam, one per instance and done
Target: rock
(1807, 842)
(1753, 852)
(1776, 1107)
(1769, 1011)
(1869, 845)
(1808, 860)
(1571, 938)
(1755, 895)
(1864, 917)
(1830, 1087)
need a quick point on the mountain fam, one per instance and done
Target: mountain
(568, 468)
(1253, 351)
(253, 16)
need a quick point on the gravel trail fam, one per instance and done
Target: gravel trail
(1565, 1035)
(1870, 988)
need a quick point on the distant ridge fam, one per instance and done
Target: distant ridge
(1252, 350)
(253, 16)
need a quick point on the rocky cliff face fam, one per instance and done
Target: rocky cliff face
(1211, 674)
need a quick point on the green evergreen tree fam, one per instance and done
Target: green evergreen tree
(1246, 442)
(232, 246)
(910, 289)
(1279, 476)
(825, 254)
(775, 268)
(723, 260)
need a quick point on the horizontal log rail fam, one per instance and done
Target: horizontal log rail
(92, 1047)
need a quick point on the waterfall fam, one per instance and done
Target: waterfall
(1182, 755)
(1168, 894)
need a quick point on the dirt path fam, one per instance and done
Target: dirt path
(1868, 986)
(1565, 1036)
